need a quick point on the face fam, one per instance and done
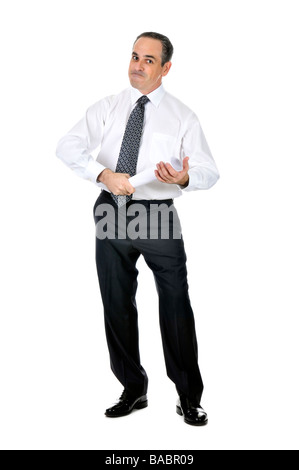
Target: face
(145, 70)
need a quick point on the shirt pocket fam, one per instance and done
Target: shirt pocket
(162, 148)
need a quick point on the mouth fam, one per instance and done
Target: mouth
(137, 74)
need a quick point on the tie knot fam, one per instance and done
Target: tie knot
(143, 100)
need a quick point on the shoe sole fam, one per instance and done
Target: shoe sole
(179, 412)
(137, 406)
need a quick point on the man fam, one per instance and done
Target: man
(141, 128)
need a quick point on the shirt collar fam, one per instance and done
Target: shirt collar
(155, 96)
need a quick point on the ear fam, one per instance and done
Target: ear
(166, 68)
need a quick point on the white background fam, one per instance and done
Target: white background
(236, 66)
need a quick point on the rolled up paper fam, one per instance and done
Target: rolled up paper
(147, 176)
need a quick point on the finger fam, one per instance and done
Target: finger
(163, 171)
(173, 173)
(170, 172)
(130, 189)
(186, 164)
(162, 177)
(159, 177)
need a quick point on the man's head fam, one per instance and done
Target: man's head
(151, 61)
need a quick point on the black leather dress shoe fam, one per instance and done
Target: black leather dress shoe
(192, 412)
(127, 403)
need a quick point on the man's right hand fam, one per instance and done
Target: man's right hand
(117, 183)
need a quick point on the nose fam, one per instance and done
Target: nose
(138, 67)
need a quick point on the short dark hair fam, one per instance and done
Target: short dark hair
(167, 47)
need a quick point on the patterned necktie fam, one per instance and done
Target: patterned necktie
(128, 155)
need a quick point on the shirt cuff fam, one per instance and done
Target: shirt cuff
(93, 170)
(205, 181)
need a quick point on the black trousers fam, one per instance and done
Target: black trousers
(116, 259)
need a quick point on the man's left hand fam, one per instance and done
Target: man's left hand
(167, 174)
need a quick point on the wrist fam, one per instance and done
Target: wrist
(103, 176)
(185, 181)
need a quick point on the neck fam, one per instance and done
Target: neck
(149, 90)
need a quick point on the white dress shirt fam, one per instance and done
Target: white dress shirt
(171, 132)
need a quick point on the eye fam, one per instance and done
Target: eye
(135, 58)
(149, 61)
